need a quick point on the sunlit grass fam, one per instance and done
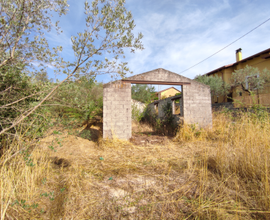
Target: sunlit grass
(219, 173)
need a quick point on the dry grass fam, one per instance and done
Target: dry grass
(221, 173)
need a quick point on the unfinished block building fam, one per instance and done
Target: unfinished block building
(196, 101)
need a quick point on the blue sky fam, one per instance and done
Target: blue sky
(181, 33)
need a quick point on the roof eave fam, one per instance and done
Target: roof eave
(241, 61)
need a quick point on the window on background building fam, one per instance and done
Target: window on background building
(229, 97)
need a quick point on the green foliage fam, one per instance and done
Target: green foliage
(22, 44)
(143, 93)
(250, 79)
(137, 114)
(81, 99)
(259, 113)
(18, 95)
(86, 134)
(107, 32)
(14, 85)
(24, 205)
(256, 114)
(217, 86)
(149, 116)
(165, 124)
(168, 115)
(22, 27)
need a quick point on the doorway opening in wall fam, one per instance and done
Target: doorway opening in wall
(177, 105)
(156, 108)
(161, 115)
(230, 97)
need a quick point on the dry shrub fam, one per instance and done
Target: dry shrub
(241, 157)
(221, 173)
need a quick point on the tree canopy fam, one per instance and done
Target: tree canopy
(217, 86)
(250, 78)
(24, 47)
(247, 79)
(143, 93)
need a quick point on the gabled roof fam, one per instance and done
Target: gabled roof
(158, 76)
(168, 89)
(266, 52)
(162, 76)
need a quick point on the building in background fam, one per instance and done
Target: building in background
(167, 93)
(261, 61)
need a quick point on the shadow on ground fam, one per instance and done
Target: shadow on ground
(93, 129)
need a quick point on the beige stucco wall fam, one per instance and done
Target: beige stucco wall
(263, 97)
(167, 93)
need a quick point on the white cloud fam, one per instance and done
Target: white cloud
(179, 34)
(178, 40)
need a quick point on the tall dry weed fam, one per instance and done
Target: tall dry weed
(240, 158)
(222, 173)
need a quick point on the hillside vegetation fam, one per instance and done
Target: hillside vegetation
(221, 173)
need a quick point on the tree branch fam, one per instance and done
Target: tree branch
(244, 89)
(20, 99)
(39, 104)
(6, 89)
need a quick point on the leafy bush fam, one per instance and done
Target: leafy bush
(164, 124)
(137, 113)
(18, 95)
(81, 99)
(143, 93)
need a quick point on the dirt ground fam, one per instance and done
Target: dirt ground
(80, 175)
(79, 143)
(115, 179)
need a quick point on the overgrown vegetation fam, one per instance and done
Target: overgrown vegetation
(217, 86)
(143, 93)
(79, 100)
(137, 112)
(26, 54)
(48, 172)
(18, 96)
(221, 173)
(163, 125)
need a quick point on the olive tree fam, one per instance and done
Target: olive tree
(108, 31)
(250, 79)
(22, 27)
(24, 52)
(217, 86)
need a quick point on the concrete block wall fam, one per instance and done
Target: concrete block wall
(178, 119)
(117, 110)
(197, 104)
(196, 96)
(162, 103)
